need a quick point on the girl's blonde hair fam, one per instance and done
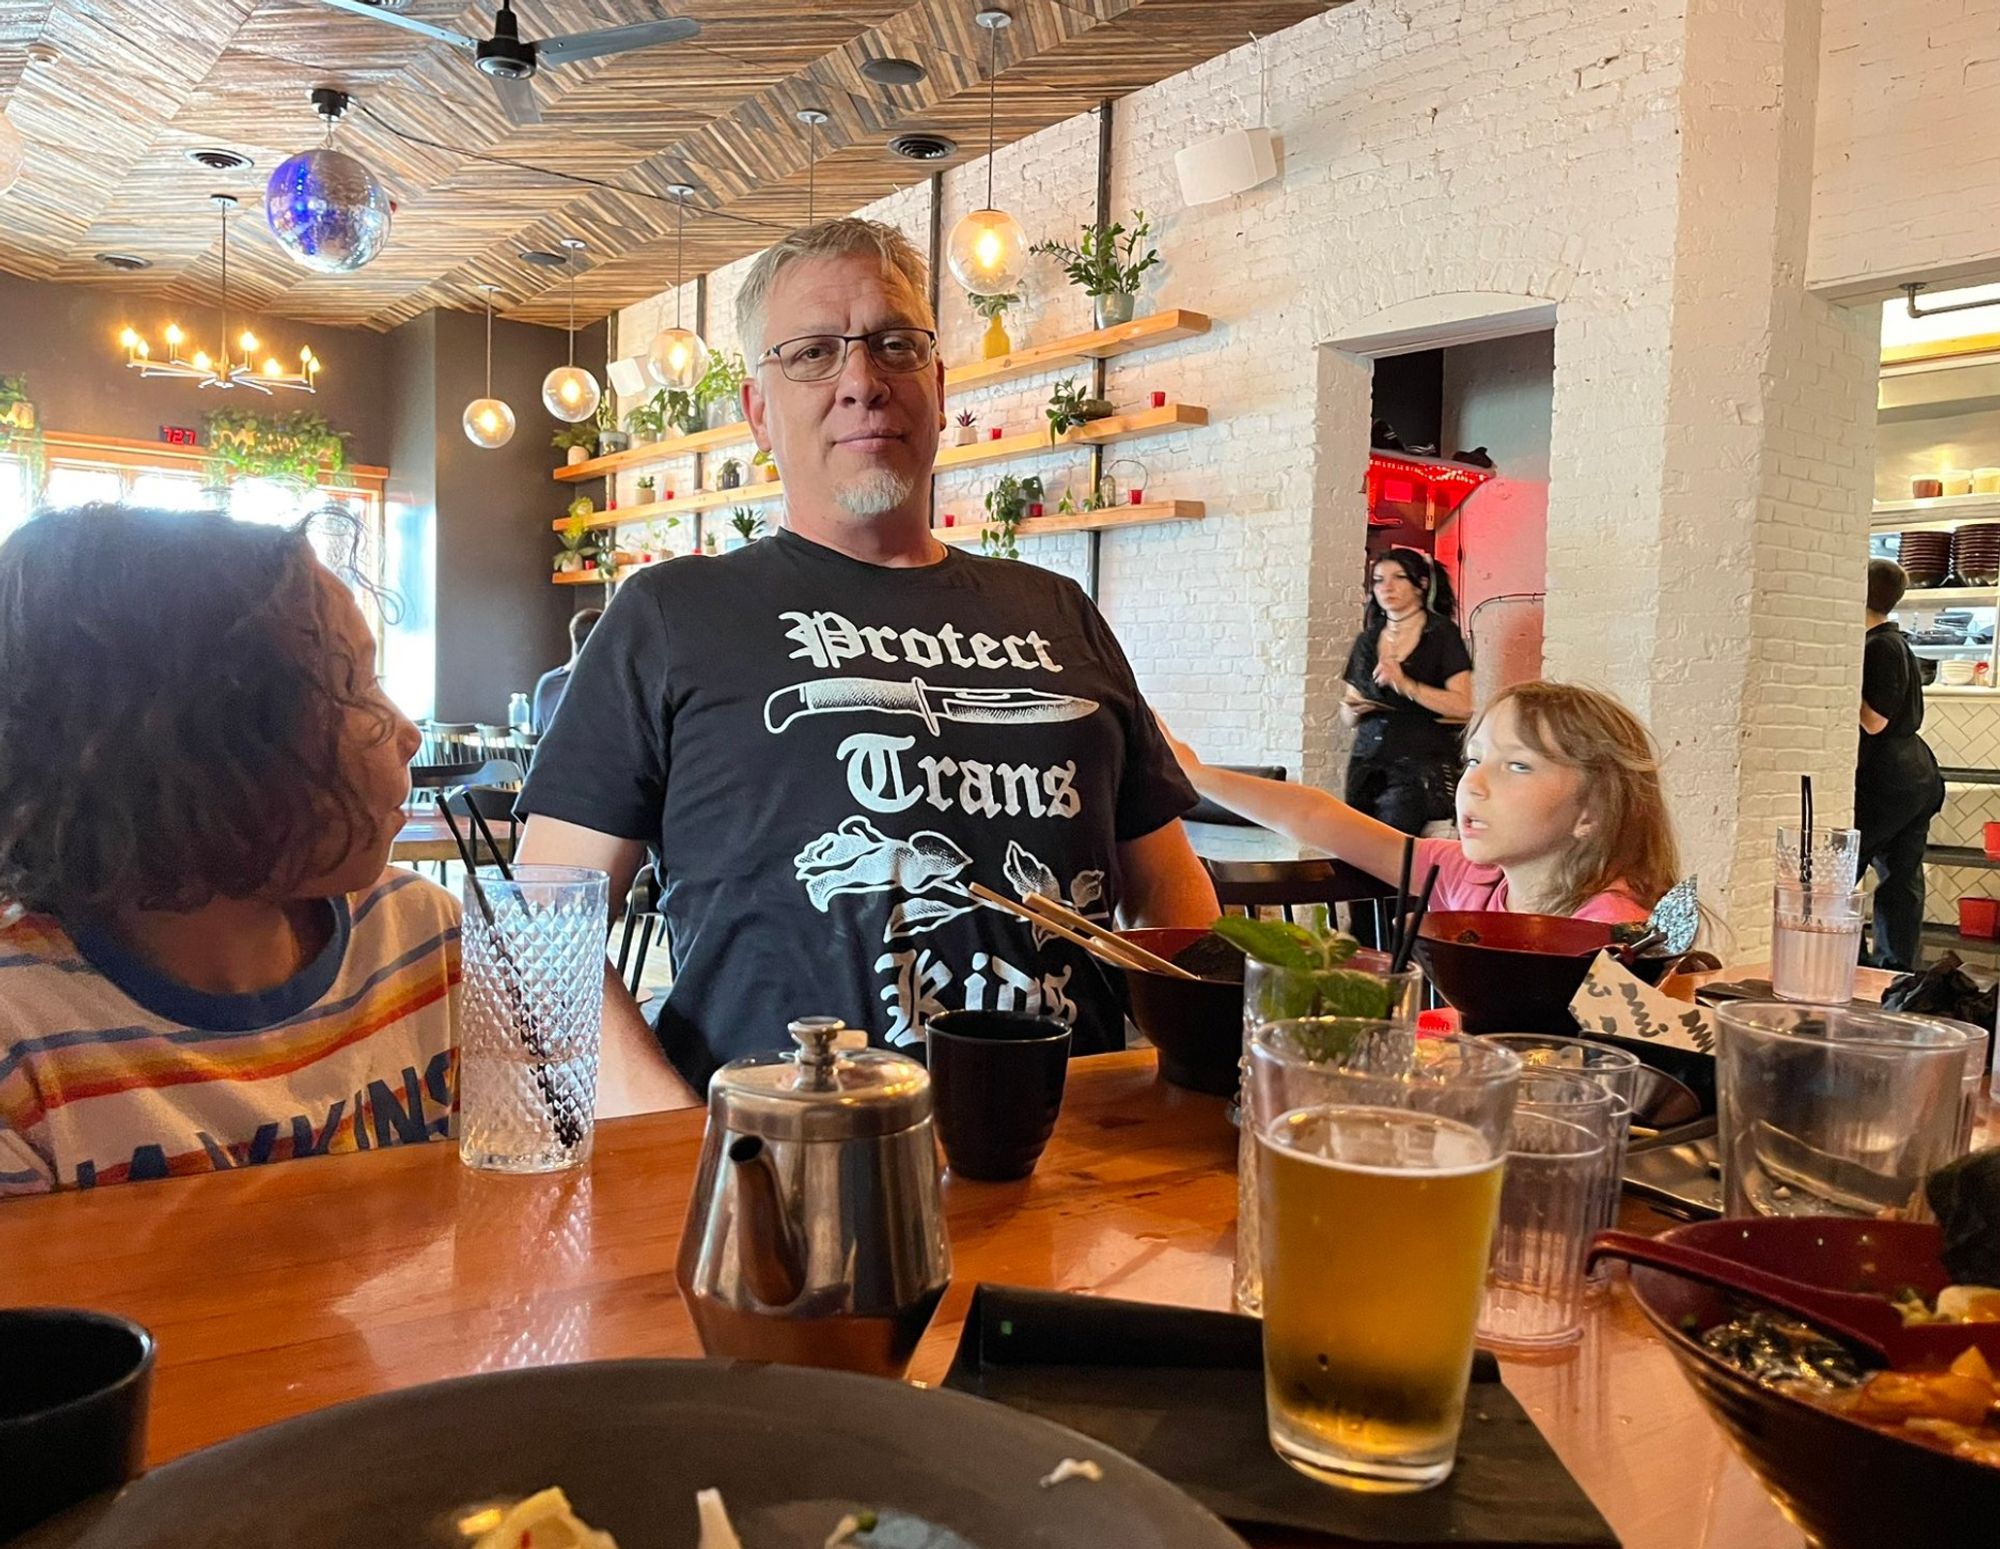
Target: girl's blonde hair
(1630, 846)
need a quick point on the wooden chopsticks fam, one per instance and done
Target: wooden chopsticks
(1104, 945)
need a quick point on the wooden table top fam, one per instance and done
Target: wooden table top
(281, 1289)
(424, 837)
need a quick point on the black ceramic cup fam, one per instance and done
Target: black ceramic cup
(998, 1079)
(74, 1387)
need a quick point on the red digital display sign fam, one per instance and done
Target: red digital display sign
(179, 435)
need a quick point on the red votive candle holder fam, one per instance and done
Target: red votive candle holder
(950, 520)
(1136, 496)
(993, 433)
(1035, 508)
(1159, 400)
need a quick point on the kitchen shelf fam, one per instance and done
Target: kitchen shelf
(657, 452)
(1146, 514)
(1061, 354)
(1959, 855)
(1933, 515)
(1950, 596)
(1957, 774)
(1942, 935)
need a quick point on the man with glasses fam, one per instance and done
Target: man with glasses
(831, 736)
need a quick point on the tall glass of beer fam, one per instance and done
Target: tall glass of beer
(1379, 1162)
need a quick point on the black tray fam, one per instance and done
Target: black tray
(1182, 1393)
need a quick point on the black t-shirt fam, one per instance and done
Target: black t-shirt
(824, 753)
(1896, 778)
(1404, 728)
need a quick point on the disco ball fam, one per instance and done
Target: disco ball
(327, 210)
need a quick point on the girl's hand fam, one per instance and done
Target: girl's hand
(1184, 755)
(1391, 676)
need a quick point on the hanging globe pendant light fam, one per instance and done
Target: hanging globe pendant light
(988, 251)
(325, 208)
(677, 358)
(569, 392)
(488, 422)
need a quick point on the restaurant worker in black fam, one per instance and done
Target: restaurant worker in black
(1897, 787)
(1408, 695)
(831, 734)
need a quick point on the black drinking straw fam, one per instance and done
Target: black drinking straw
(1403, 894)
(1805, 844)
(1401, 961)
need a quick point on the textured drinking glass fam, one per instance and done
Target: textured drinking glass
(1379, 1163)
(1815, 942)
(1834, 1110)
(532, 1013)
(1832, 859)
(1558, 1162)
(1619, 1071)
(1272, 994)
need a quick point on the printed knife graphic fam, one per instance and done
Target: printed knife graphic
(886, 696)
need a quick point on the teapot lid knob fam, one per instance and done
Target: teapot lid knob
(821, 1041)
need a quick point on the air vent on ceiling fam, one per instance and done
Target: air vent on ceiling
(541, 258)
(389, 5)
(923, 147)
(128, 262)
(218, 160)
(893, 72)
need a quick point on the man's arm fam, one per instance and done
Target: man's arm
(633, 1075)
(1871, 721)
(1164, 883)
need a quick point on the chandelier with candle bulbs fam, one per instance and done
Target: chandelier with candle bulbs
(227, 368)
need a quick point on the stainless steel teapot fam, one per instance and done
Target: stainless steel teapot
(815, 1235)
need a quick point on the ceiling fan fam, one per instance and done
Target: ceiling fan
(509, 59)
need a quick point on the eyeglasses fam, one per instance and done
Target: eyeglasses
(818, 356)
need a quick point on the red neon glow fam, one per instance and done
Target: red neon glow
(1429, 489)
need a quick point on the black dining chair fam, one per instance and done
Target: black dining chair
(1206, 811)
(497, 829)
(1290, 886)
(642, 917)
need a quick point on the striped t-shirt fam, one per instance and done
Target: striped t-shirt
(111, 1072)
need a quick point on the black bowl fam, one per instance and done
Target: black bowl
(1196, 1026)
(1846, 1484)
(1521, 974)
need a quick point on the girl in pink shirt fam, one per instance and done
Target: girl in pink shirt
(1559, 812)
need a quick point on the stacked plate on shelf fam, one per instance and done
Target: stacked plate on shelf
(1925, 557)
(1975, 554)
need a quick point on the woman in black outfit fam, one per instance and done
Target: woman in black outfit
(1897, 787)
(1409, 690)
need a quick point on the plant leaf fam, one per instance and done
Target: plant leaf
(1277, 942)
(1347, 992)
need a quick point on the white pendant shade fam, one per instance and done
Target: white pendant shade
(489, 423)
(677, 358)
(988, 253)
(570, 393)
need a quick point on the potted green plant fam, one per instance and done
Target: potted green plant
(20, 429)
(647, 485)
(609, 437)
(577, 443)
(731, 474)
(766, 468)
(718, 394)
(648, 421)
(994, 343)
(1106, 265)
(574, 534)
(748, 524)
(1006, 506)
(683, 411)
(293, 448)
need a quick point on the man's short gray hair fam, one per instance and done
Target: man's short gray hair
(847, 237)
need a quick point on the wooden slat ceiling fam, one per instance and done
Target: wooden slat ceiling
(134, 85)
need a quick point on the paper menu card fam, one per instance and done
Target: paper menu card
(1615, 1003)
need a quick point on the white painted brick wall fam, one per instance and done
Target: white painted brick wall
(1709, 423)
(1907, 162)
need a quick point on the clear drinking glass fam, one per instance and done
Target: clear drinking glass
(1379, 1165)
(1815, 942)
(1830, 860)
(1559, 1152)
(1619, 1071)
(531, 1016)
(1834, 1110)
(1272, 994)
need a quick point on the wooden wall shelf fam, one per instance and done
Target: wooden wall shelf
(1104, 432)
(657, 452)
(1061, 354)
(1144, 515)
(707, 500)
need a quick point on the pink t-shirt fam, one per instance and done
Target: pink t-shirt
(1464, 884)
